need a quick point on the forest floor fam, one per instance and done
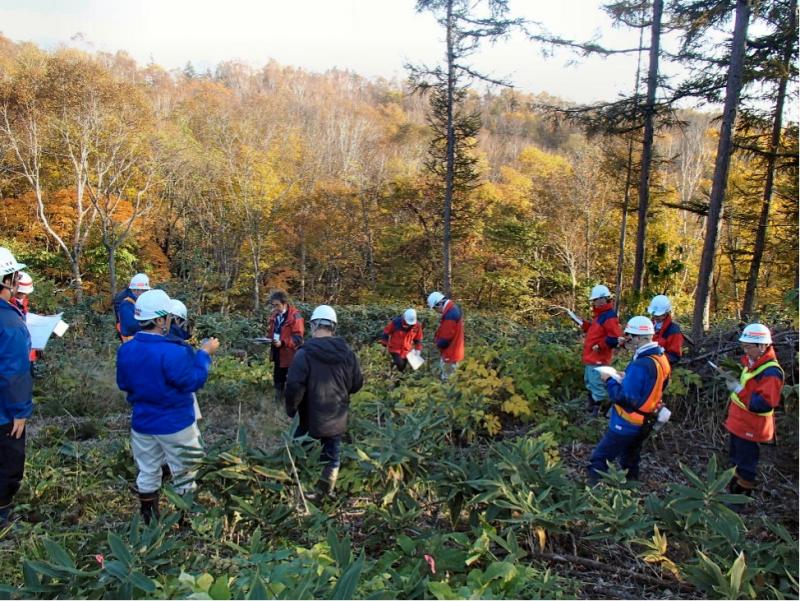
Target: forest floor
(579, 560)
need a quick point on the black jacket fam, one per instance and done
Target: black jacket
(323, 375)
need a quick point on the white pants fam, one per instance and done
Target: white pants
(179, 451)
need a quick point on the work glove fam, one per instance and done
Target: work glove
(733, 385)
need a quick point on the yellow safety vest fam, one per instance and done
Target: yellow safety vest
(748, 375)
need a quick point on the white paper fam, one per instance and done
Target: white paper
(415, 360)
(41, 327)
(610, 372)
(61, 328)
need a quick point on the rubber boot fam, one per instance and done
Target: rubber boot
(149, 506)
(326, 485)
(166, 473)
(590, 405)
(279, 396)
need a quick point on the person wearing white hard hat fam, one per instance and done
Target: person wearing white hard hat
(402, 335)
(753, 400)
(323, 375)
(449, 336)
(23, 302)
(124, 303)
(159, 374)
(16, 385)
(636, 395)
(286, 330)
(603, 335)
(24, 290)
(668, 333)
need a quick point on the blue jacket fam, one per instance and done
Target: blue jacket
(16, 382)
(124, 311)
(159, 374)
(640, 377)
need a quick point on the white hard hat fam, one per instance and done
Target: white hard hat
(178, 309)
(599, 291)
(659, 305)
(152, 304)
(434, 298)
(640, 326)
(139, 282)
(410, 317)
(24, 283)
(756, 333)
(325, 312)
(8, 264)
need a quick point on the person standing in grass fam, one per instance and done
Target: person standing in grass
(753, 399)
(402, 335)
(323, 375)
(449, 336)
(16, 385)
(160, 375)
(286, 330)
(603, 335)
(636, 398)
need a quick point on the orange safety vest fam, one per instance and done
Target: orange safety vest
(653, 401)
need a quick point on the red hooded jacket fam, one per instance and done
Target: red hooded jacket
(400, 338)
(449, 336)
(761, 394)
(292, 331)
(669, 338)
(603, 331)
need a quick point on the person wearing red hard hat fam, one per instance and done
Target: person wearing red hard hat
(753, 399)
(636, 395)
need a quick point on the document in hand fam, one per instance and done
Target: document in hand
(610, 372)
(415, 360)
(41, 327)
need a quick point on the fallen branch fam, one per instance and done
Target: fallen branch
(621, 571)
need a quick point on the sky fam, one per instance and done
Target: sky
(374, 38)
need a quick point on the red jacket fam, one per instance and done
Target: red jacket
(603, 331)
(400, 338)
(669, 338)
(24, 306)
(291, 332)
(449, 336)
(760, 395)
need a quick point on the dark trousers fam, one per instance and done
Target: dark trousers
(279, 375)
(744, 455)
(399, 362)
(12, 463)
(331, 446)
(616, 447)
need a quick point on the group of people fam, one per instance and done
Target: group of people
(160, 372)
(634, 397)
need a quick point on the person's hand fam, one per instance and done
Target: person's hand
(18, 428)
(732, 384)
(277, 343)
(210, 346)
(595, 347)
(604, 377)
(621, 340)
